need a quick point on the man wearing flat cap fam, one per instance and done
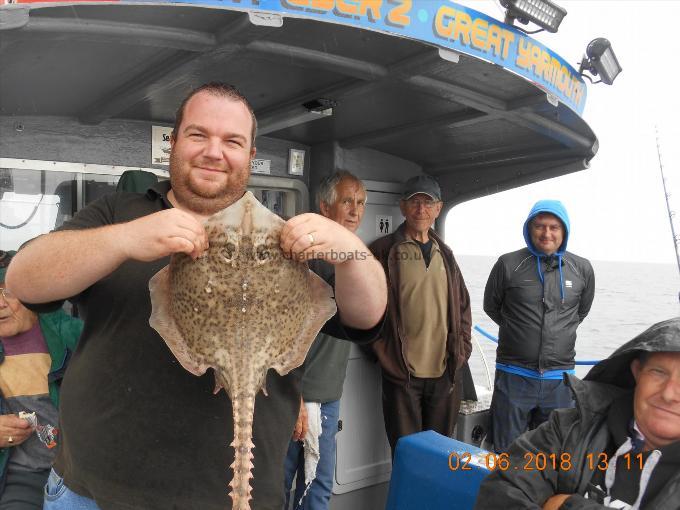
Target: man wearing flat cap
(426, 337)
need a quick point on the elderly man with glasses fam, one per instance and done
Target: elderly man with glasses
(426, 337)
(342, 198)
(33, 353)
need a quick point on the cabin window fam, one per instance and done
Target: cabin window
(38, 196)
(33, 202)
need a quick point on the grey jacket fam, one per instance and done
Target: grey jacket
(587, 430)
(538, 327)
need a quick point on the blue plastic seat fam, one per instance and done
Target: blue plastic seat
(428, 473)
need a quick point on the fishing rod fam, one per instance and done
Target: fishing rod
(671, 213)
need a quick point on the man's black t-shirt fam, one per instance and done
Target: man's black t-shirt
(137, 430)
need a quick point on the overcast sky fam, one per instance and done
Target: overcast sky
(616, 207)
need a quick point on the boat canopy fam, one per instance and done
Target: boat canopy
(448, 90)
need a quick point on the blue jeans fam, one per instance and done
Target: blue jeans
(319, 494)
(520, 403)
(60, 497)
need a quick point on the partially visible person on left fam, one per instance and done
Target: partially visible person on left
(342, 198)
(32, 356)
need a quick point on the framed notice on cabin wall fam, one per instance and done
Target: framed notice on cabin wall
(160, 145)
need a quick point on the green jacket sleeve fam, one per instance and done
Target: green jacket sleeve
(61, 332)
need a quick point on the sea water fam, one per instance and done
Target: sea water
(629, 297)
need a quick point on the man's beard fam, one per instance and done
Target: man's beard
(201, 199)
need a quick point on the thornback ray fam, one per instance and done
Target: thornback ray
(240, 309)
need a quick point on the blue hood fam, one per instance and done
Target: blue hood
(556, 208)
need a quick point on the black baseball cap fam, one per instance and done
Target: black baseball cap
(422, 184)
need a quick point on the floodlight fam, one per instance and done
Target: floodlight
(311, 110)
(543, 13)
(600, 60)
(320, 105)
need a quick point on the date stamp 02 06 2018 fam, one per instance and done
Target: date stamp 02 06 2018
(461, 461)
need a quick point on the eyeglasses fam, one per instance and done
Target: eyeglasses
(6, 294)
(417, 202)
(543, 228)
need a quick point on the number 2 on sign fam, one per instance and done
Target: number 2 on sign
(398, 16)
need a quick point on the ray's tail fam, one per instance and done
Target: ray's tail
(243, 412)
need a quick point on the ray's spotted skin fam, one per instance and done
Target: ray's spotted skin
(240, 309)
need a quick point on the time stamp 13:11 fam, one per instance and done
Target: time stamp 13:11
(460, 461)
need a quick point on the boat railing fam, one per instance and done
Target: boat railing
(494, 339)
(489, 385)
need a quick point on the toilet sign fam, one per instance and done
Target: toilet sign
(383, 225)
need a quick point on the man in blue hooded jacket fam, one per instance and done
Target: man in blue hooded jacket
(538, 296)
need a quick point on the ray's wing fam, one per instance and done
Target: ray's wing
(322, 308)
(161, 320)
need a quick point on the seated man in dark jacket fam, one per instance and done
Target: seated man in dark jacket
(620, 446)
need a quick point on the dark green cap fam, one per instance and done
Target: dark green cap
(136, 181)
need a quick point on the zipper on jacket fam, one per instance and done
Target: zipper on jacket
(540, 342)
(392, 253)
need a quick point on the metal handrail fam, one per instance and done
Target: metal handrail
(489, 336)
(489, 385)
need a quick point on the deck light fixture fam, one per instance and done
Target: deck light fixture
(311, 110)
(321, 105)
(600, 60)
(543, 13)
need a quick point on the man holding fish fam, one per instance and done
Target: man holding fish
(138, 431)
